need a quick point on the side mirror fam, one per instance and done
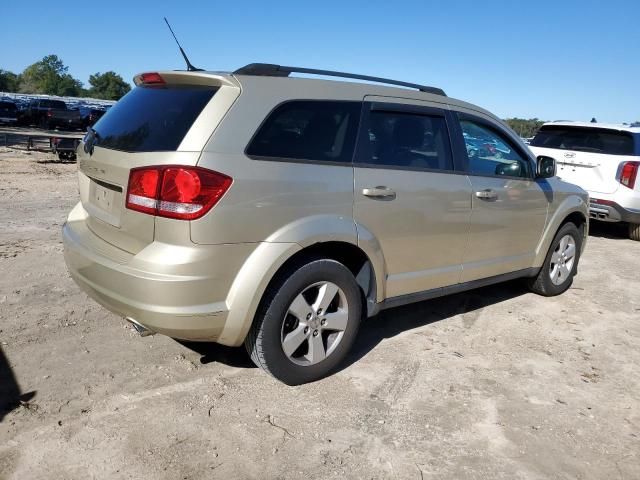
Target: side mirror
(545, 167)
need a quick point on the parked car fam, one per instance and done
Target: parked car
(49, 114)
(90, 115)
(255, 208)
(8, 112)
(604, 160)
(486, 147)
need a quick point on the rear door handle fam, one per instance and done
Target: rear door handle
(487, 194)
(379, 192)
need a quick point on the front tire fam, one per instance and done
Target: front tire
(307, 322)
(561, 263)
(634, 231)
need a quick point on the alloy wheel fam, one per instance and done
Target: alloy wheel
(314, 324)
(562, 260)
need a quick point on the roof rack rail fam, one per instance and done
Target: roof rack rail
(271, 70)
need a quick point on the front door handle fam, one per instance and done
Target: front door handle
(487, 194)
(379, 192)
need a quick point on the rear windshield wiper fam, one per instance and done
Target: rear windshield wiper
(93, 132)
(90, 140)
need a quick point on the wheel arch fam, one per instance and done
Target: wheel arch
(330, 235)
(348, 254)
(579, 219)
(297, 243)
(573, 209)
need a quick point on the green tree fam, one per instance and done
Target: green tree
(524, 127)
(108, 86)
(9, 81)
(69, 86)
(49, 76)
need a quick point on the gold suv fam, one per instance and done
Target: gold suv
(253, 207)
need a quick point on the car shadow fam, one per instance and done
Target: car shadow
(395, 321)
(10, 396)
(612, 230)
(214, 352)
(385, 325)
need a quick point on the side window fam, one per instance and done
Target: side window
(408, 140)
(309, 130)
(490, 153)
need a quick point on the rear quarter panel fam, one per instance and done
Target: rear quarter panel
(268, 197)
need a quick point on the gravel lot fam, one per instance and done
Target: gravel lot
(495, 383)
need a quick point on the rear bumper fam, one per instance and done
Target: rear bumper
(178, 291)
(610, 211)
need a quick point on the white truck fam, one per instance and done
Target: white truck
(603, 159)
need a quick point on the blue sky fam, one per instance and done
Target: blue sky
(562, 59)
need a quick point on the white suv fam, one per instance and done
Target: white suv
(603, 159)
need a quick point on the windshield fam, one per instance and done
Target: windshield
(152, 119)
(584, 139)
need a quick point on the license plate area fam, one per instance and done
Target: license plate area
(105, 202)
(103, 198)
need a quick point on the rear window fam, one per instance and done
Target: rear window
(309, 130)
(152, 119)
(56, 104)
(8, 106)
(596, 140)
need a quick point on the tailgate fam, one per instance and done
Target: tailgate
(65, 114)
(588, 156)
(162, 124)
(593, 172)
(103, 179)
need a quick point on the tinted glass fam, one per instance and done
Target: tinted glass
(57, 104)
(309, 130)
(490, 153)
(8, 106)
(409, 141)
(152, 119)
(596, 140)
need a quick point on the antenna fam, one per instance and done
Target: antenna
(190, 67)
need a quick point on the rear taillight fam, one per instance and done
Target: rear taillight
(185, 193)
(49, 113)
(629, 174)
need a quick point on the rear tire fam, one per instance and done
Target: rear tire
(303, 330)
(634, 231)
(561, 263)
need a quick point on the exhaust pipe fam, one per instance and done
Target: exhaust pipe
(138, 327)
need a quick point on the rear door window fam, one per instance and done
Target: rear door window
(152, 118)
(407, 141)
(582, 139)
(315, 130)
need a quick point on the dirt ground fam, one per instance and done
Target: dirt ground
(495, 383)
